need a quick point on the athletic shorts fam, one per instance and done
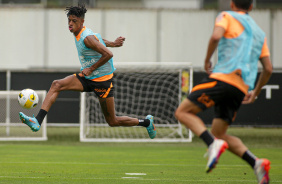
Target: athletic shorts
(224, 97)
(102, 89)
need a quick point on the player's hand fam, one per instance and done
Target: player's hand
(249, 98)
(208, 67)
(86, 71)
(119, 41)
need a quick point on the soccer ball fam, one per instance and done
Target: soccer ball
(28, 98)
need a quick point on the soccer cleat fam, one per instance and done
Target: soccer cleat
(30, 121)
(151, 128)
(215, 150)
(261, 169)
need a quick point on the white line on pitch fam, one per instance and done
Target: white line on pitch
(135, 174)
(131, 177)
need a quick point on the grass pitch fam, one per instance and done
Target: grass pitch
(63, 159)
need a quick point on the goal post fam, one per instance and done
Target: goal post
(140, 89)
(11, 127)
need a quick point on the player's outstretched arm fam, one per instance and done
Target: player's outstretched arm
(263, 79)
(117, 43)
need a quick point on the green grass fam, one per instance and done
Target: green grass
(63, 159)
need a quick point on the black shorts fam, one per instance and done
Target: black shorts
(224, 97)
(103, 89)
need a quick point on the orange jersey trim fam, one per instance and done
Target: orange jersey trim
(78, 36)
(233, 79)
(103, 78)
(204, 86)
(99, 79)
(233, 29)
(96, 38)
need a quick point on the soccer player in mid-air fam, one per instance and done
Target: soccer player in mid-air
(96, 75)
(241, 43)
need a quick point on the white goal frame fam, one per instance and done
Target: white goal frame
(41, 135)
(150, 65)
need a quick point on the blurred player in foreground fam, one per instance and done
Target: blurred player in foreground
(241, 43)
(96, 75)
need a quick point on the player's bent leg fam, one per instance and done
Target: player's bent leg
(30, 121)
(236, 146)
(108, 109)
(186, 114)
(219, 129)
(69, 83)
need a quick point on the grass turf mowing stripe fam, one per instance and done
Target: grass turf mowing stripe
(93, 163)
(134, 178)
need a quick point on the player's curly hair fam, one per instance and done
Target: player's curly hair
(78, 11)
(244, 4)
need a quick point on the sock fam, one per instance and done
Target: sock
(144, 122)
(40, 116)
(207, 137)
(250, 158)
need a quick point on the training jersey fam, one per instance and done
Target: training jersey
(239, 50)
(88, 57)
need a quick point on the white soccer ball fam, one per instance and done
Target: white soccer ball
(28, 98)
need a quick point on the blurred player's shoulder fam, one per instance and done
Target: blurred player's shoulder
(222, 15)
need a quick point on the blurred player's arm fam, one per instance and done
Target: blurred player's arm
(263, 79)
(117, 43)
(217, 34)
(92, 43)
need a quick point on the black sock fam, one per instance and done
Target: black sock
(207, 137)
(144, 122)
(40, 116)
(250, 158)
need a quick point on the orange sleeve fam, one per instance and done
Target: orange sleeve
(264, 51)
(222, 20)
(233, 28)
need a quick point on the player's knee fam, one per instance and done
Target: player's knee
(112, 122)
(56, 85)
(177, 114)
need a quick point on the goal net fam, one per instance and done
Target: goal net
(139, 90)
(11, 127)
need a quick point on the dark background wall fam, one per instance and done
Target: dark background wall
(266, 111)
(3, 80)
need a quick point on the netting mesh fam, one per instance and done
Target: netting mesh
(11, 128)
(138, 92)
